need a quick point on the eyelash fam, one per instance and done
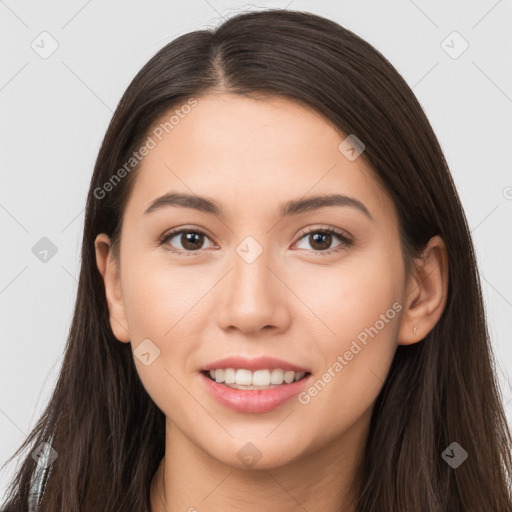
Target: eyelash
(345, 242)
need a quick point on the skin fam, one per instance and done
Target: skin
(251, 155)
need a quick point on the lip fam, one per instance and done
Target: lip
(258, 363)
(253, 400)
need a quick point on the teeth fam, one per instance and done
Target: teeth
(242, 377)
(258, 378)
(229, 376)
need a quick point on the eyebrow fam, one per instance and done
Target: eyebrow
(293, 207)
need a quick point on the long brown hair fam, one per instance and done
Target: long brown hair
(106, 430)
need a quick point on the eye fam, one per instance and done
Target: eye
(321, 239)
(191, 240)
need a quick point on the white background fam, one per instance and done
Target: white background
(55, 112)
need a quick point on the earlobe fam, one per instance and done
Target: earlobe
(111, 279)
(427, 293)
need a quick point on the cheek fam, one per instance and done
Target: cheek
(159, 306)
(359, 316)
(349, 297)
(160, 298)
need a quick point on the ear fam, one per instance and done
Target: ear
(426, 293)
(109, 270)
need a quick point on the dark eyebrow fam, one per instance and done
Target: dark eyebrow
(199, 203)
(293, 207)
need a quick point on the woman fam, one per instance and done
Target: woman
(279, 306)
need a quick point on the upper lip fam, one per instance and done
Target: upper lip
(257, 363)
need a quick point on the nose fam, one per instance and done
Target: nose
(253, 297)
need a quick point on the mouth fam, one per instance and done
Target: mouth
(259, 391)
(247, 380)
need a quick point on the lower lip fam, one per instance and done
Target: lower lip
(253, 400)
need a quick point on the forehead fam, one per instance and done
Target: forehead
(250, 153)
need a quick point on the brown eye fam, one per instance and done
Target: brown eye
(189, 239)
(320, 240)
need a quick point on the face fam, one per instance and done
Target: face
(320, 288)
